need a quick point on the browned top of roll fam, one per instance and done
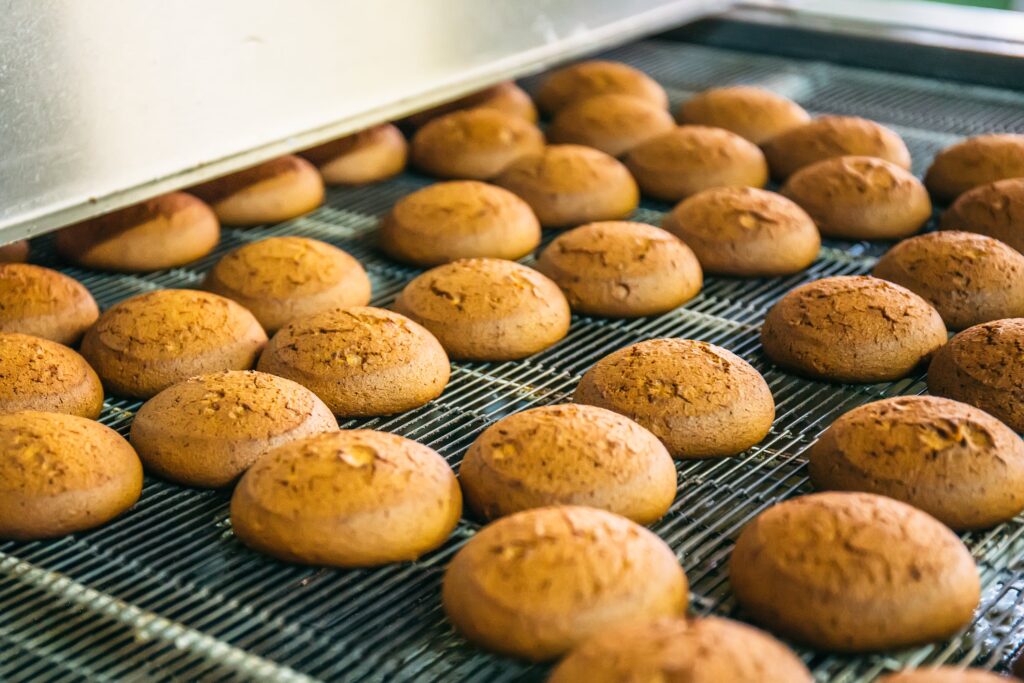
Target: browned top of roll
(163, 324)
(597, 77)
(47, 454)
(612, 123)
(833, 136)
(973, 162)
(995, 209)
(754, 113)
(283, 267)
(708, 650)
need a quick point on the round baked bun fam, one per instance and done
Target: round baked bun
(276, 190)
(852, 329)
(164, 232)
(44, 303)
(570, 455)
(142, 345)
(446, 222)
(974, 162)
(475, 144)
(701, 650)
(833, 136)
(62, 473)
(282, 278)
(860, 198)
(487, 309)
(955, 462)
(745, 231)
(360, 361)
(968, 278)
(353, 498)
(981, 366)
(611, 123)
(753, 113)
(39, 374)
(535, 584)
(689, 159)
(620, 269)
(569, 185)
(368, 156)
(701, 400)
(853, 572)
(207, 430)
(996, 210)
(596, 77)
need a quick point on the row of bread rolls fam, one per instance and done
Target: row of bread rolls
(274, 518)
(359, 454)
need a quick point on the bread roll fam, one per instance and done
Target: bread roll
(596, 77)
(974, 162)
(164, 232)
(753, 113)
(689, 159)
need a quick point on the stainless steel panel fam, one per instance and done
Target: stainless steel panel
(103, 104)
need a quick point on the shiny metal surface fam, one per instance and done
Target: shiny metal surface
(909, 22)
(104, 105)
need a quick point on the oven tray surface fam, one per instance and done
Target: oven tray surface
(166, 592)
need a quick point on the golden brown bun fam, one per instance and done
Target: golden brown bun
(621, 270)
(144, 344)
(535, 584)
(753, 113)
(955, 462)
(568, 455)
(506, 97)
(833, 136)
(853, 572)
(708, 650)
(164, 232)
(973, 162)
(596, 77)
(487, 309)
(354, 498)
(476, 144)
(947, 674)
(38, 374)
(852, 329)
(612, 123)
(689, 159)
(14, 252)
(860, 198)
(981, 366)
(209, 429)
(360, 361)
(276, 190)
(699, 399)
(569, 185)
(44, 303)
(281, 278)
(996, 210)
(745, 231)
(368, 156)
(444, 222)
(62, 473)
(968, 278)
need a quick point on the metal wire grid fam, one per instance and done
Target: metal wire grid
(165, 592)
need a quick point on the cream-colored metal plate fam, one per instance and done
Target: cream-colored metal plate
(104, 104)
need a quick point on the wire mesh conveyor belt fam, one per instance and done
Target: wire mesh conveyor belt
(166, 592)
